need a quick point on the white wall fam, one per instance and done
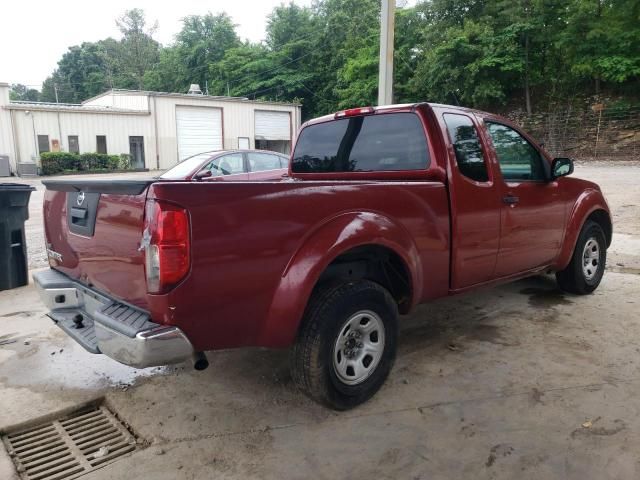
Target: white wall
(116, 127)
(6, 138)
(237, 121)
(130, 101)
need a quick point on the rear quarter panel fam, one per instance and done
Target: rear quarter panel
(258, 249)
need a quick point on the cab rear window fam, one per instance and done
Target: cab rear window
(383, 142)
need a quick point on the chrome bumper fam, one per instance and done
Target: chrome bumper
(120, 331)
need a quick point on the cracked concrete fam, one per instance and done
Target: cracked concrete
(494, 384)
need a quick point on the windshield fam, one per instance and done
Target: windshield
(185, 167)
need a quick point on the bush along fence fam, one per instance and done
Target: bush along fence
(53, 163)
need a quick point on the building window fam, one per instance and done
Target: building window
(74, 145)
(101, 143)
(43, 143)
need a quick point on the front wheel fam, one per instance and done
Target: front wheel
(347, 344)
(584, 273)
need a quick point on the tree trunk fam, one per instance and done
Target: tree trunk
(597, 85)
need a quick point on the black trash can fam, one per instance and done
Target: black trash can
(14, 211)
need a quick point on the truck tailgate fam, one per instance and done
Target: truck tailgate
(93, 231)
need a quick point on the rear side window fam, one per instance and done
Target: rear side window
(393, 141)
(466, 144)
(259, 162)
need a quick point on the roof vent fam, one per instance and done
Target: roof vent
(194, 89)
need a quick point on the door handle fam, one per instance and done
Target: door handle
(510, 199)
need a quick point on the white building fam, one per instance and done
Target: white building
(157, 129)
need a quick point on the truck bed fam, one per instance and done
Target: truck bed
(244, 238)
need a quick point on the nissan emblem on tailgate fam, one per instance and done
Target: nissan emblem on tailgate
(80, 199)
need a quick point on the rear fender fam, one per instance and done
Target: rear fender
(588, 202)
(318, 249)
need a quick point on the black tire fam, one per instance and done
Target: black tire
(573, 279)
(324, 322)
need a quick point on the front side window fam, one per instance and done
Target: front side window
(226, 165)
(384, 142)
(466, 144)
(259, 162)
(518, 159)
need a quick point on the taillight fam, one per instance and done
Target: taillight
(352, 112)
(166, 245)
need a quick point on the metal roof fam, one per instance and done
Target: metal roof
(71, 107)
(121, 91)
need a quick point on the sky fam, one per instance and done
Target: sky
(35, 34)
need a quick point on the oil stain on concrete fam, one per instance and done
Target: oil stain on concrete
(545, 297)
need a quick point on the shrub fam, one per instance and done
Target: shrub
(52, 163)
(125, 161)
(57, 162)
(99, 161)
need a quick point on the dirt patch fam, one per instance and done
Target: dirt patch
(490, 334)
(600, 431)
(536, 397)
(498, 451)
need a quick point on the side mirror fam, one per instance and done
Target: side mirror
(561, 167)
(202, 174)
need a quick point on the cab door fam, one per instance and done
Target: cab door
(475, 202)
(532, 212)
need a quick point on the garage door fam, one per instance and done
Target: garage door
(199, 129)
(272, 125)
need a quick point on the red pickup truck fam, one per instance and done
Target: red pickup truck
(385, 208)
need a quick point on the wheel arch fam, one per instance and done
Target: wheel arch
(591, 205)
(328, 252)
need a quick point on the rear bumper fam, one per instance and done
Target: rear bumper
(103, 325)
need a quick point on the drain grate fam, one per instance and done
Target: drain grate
(70, 447)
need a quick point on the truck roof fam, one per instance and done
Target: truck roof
(403, 107)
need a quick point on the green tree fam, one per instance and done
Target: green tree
(203, 41)
(170, 74)
(409, 36)
(602, 39)
(23, 93)
(138, 51)
(472, 65)
(82, 72)
(348, 27)
(479, 53)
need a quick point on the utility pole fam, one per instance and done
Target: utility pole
(61, 146)
(385, 72)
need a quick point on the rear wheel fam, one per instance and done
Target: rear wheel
(347, 344)
(584, 273)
